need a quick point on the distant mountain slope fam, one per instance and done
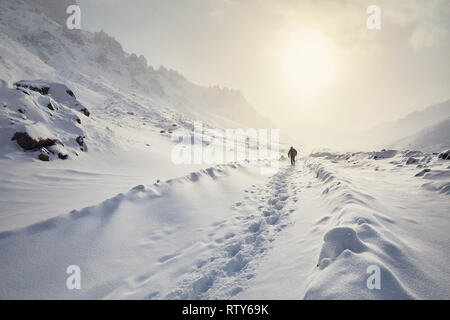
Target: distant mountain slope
(412, 124)
(434, 138)
(37, 45)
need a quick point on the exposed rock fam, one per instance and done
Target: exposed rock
(44, 157)
(445, 155)
(80, 141)
(70, 93)
(63, 156)
(50, 113)
(41, 89)
(86, 112)
(28, 143)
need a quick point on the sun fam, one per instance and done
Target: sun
(308, 63)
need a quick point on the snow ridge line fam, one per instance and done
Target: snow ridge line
(261, 216)
(138, 193)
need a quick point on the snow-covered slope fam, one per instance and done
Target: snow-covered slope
(412, 126)
(45, 117)
(356, 212)
(434, 138)
(133, 109)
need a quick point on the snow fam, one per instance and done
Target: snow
(309, 231)
(354, 213)
(431, 139)
(412, 128)
(53, 116)
(150, 233)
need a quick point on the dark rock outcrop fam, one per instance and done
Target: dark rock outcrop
(42, 89)
(86, 112)
(80, 141)
(63, 156)
(445, 155)
(28, 143)
(70, 93)
(44, 157)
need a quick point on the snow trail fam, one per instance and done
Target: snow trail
(243, 238)
(357, 212)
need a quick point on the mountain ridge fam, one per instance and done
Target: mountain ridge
(98, 59)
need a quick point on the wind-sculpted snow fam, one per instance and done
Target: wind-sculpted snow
(309, 231)
(353, 228)
(362, 230)
(120, 243)
(244, 238)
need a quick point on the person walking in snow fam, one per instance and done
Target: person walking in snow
(292, 154)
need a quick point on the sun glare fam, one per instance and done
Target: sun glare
(308, 63)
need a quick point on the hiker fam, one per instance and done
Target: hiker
(292, 153)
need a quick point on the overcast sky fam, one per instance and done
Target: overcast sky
(266, 49)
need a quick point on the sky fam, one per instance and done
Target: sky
(296, 61)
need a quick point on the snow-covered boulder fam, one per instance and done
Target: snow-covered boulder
(42, 118)
(59, 92)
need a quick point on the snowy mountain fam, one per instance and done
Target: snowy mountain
(412, 126)
(37, 45)
(77, 96)
(434, 138)
(425, 130)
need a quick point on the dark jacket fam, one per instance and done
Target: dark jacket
(292, 153)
